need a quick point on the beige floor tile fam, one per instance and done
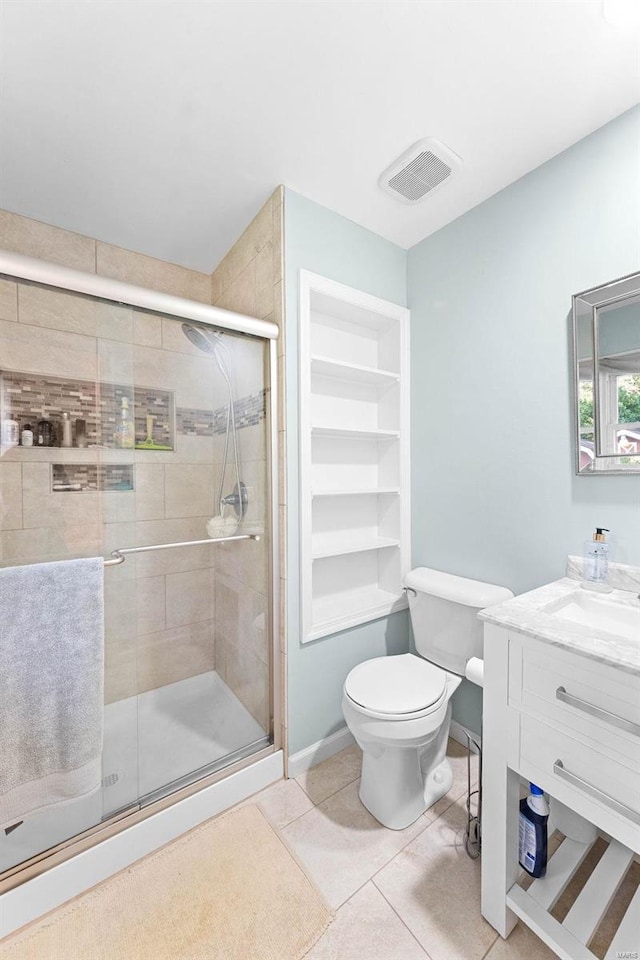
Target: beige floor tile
(522, 944)
(331, 775)
(283, 802)
(342, 845)
(434, 887)
(366, 928)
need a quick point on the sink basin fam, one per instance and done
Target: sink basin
(601, 613)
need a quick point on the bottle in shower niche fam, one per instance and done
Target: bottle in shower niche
(67, 431)
(45, 435)
(10, 433)
(125, 436)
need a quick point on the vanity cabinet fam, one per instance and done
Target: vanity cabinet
(354, 456)
(570, 724)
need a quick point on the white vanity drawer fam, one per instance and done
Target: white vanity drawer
(596, 702)
(561, 758)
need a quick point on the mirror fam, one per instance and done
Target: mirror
(606, 343)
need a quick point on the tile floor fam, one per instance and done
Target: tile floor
(411, 894)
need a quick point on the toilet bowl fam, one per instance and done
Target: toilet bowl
(398, 708)
(402, 734)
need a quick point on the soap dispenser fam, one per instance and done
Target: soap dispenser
(596, 562)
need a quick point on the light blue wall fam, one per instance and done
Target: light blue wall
(494, 492)
(319, 240)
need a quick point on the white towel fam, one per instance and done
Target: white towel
(51, 684)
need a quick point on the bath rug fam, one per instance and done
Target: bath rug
(228, 890)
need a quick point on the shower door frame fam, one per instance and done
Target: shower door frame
(19, 267)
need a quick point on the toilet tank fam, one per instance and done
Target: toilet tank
(444, 615)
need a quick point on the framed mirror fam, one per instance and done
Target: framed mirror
(606, 353)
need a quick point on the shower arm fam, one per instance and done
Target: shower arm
(119, 556)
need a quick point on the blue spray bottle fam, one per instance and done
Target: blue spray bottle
(534, 813)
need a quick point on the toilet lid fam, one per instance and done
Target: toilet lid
(396, 685)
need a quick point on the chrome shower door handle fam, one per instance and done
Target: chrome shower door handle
(590, 708)
(560, 771)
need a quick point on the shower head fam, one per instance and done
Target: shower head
(202, 339)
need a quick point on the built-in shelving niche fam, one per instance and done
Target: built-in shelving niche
(28, 397)
(91, 477)
(354, 456)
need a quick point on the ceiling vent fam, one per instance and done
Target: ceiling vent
(419, 171)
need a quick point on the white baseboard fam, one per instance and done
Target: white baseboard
(49, 890)
(458, 732)
(319, 751)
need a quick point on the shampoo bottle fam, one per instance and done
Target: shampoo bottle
(125, 431)
(596, 560)
(534, 813)
(67, 431)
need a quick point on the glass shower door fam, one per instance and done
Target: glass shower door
(66, 492)
(168, 445)
(202, 628)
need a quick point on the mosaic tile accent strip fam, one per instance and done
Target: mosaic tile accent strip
(248, 412)
(83, 477)
(28, 398)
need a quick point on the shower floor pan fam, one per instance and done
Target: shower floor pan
(150, 741)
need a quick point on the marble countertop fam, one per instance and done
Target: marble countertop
(526, 614)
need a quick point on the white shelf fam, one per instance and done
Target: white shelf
(328, 546)
(354, 473)
(362, 492)
(353, 372)
(345, 433)
(330, 615)
(570, 937)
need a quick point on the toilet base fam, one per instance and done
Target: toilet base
(399, 783)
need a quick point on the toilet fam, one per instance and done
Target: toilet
(398, 708)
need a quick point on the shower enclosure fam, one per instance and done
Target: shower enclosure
(169, 475)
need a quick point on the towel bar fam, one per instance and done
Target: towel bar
(119, 556)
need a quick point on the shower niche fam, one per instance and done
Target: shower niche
(28, 398)
(354, 419)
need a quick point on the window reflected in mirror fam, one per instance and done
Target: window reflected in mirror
(606, 333)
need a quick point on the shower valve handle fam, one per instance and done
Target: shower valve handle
(239, 499)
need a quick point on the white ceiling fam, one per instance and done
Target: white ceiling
(162, 126)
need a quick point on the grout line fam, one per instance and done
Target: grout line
(493, 943)
(357, 777)
(407, 927)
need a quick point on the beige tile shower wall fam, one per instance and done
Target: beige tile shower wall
(41, 240)
(159, 608)
(250, 280)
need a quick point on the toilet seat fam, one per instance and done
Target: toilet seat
(403, 687)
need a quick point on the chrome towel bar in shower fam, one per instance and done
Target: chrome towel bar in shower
(119, 556)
